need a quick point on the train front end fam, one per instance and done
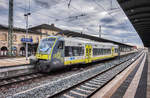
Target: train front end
(45, 60)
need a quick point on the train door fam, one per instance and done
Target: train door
(88, 51)
(113, 51)
(58, 52)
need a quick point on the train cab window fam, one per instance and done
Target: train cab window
(61, 45)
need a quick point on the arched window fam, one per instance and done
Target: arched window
(22, 51)
(4, 51)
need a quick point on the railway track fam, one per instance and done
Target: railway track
(19, 78)
(88, 87)
(13, 71)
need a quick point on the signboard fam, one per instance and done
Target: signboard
(24, 40)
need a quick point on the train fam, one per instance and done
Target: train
(55, 52)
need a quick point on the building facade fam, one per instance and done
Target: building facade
(18, 47)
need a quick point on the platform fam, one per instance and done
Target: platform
(133, 82)
(13, 61)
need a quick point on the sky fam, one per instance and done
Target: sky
(84, 16)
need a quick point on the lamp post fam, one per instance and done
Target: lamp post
(10, 30)
(26, 17)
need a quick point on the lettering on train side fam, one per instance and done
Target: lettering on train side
(58, 56)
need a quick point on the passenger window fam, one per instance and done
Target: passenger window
(68, 51)
(81, 51)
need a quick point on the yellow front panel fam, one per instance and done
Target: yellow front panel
(41, 56)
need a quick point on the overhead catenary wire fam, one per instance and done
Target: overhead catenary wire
(69, 18)
(118, 9)
(55, 19)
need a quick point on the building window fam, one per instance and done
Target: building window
(4, 37)
(46, 32)
(14, 38)
(30, 37)
(37, 39)
(23, 36)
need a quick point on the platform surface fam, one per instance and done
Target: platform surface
(135, 82)
(13, 61)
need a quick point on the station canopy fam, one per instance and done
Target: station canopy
(138, 12)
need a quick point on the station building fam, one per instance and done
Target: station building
(18, 47)
(38, 32)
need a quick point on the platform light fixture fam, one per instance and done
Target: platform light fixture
(27, 18)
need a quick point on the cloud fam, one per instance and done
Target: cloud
(115, 26)
(47, 3)
(4, 8)
(107, 20)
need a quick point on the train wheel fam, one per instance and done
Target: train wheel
(37, 67)
(40, 67)
(46, 68)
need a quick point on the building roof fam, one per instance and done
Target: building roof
(19, 29)
(65, 32)
(46, 26)
(138, 12)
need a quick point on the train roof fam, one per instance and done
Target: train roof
(83, 40)
(88, 41)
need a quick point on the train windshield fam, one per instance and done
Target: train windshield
(46, 45)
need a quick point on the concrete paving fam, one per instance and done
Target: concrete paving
(13, 61)
(134, 82)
